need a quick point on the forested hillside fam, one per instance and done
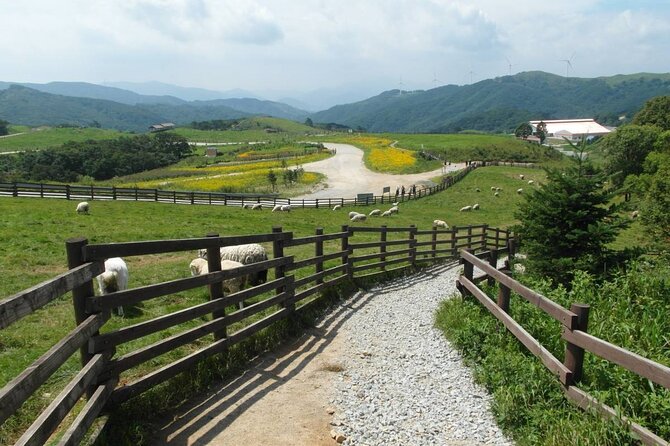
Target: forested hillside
(499, 104)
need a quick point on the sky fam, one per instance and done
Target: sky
(281, 47)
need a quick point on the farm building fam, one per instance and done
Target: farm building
(211, 152)
(161, 127)
(572, 129)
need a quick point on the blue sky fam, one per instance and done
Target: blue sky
(279, 47)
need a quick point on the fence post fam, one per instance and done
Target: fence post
(92, 196)
(216, 289)
(345, 248)
(156, 195)
(174, 196)
(41, 190)
(382, 247)
(485, 229)
(574, 356)
(470, 237)
(503, 295)
(67, 191)
(412, 245)
(113, 192)
(280, 271)
(434, 240)
(454, 231)
(318, 252)
(192, 197)
(74, 248)
(493, 261)
(136, 196)
(511, 246)
(468, 273)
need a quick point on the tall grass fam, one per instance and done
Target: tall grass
(630, 311)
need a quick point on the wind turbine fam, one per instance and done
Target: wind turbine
(509, 65)
(568, 65)
(435, 79)
(400, 87)
(471, 73)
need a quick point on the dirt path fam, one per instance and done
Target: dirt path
(282, 398)
(347, 175)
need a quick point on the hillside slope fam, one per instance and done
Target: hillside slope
(500, 104)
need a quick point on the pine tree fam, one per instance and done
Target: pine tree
(567, 223)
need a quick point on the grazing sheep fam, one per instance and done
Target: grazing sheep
(519, 190)
(531, 182)
(475, 207)
(394, 210)
(277, 208)
(359, 217)
(498, 189)
(477, 189)
(375, 212)
(246, 206)
(352, 213)
(257, 207)
(440, 224)
(386, 213)
(465, 209)
(497, 194)
(286, 208)
(493, 188)
(199, 266)
(114, 278)
(394, 203)
(246, 255)
(522, 176)
(337, 207)
(635, 214)
(82, 208)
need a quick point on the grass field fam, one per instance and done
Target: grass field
(251, 130)
(48, 137)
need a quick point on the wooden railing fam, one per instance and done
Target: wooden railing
(574, 324)
(81, 192)
(338, 257)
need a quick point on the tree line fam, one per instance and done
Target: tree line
(100, 160)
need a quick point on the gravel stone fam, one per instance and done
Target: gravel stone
(403, 383)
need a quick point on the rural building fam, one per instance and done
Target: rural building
(161, 127)
(572, 129)
(211, 152)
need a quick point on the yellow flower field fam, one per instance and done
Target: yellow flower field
(380, 156)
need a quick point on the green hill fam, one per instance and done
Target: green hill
(500, 104)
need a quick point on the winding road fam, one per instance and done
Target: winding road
(346, 175)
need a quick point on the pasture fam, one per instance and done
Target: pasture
(48, 137)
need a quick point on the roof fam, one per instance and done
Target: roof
(573, 127)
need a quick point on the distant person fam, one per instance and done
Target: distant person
(402, 191)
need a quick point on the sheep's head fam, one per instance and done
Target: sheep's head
(109, 282)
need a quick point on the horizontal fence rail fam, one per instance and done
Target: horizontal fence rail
(302, 267)
(574, 324)
(81, 192)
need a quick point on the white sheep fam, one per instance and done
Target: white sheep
(375, 212)
(394, 203)
(277, 208)
(257, 207)
(498, 189)
(359, 217)
(246, 206)
(394, 210)
(352, 214)
(82, 208)
(286, 208)
(493, 188)
(522, 176)
(440, 224)
(497, 194)
(519, 190)
(477, 189)
(475, 207)
(199, 266)
(465, 209)
(635, 214)
(337, 207)
(246, 255)
(114, 278)
(386, 213)
(531, 182)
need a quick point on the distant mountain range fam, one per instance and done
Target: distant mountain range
(85, 104)
(493, 105)
(500, 104)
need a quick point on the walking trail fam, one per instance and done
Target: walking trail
(374, 371)
(347, 175)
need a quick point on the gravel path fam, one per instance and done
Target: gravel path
(402, 382)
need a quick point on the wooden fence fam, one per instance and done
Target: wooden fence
(574, 324)
(81, 192)
(228, 318)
